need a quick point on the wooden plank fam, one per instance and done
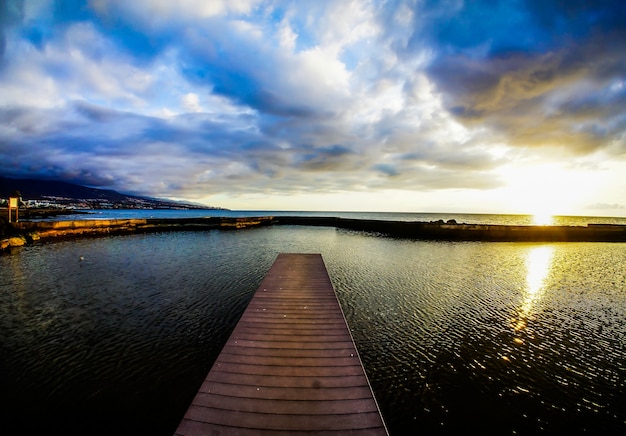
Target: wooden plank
(290, 366)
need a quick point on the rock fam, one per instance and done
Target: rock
(17, 241)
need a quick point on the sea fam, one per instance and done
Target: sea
(114, 335)
(469, 218)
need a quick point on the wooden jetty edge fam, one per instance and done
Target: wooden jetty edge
(290, 366)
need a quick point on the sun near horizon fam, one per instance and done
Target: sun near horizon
(403, 106)
(542, 191)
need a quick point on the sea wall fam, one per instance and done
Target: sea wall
(452, 231)
(27, 232)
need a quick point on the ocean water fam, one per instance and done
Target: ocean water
(506, 219)
(114, 335)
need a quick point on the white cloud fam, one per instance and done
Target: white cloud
(191, 102)
(320, 72)
(165, 12)
(345, 23)
(286, 36)
(79, 64)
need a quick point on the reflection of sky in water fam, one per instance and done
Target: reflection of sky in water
(538, 262)
(527, 335)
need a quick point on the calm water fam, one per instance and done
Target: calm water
(390, 216)
(114, 335)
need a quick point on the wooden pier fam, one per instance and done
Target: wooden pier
(290, 365)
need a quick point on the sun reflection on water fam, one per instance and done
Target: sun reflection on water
(538, 263)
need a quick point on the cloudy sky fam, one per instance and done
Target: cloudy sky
(427, 106)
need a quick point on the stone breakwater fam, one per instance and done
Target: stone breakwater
(28, 232)
(452, 231)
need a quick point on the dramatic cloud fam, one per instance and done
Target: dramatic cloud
(556, 81)
(237, 101)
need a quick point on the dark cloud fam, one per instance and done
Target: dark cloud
(96, 113)
(569, 93)
(331, 158)
(11, 13)
(387, 169)
(230, 63)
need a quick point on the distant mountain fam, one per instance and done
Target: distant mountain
(70, 194)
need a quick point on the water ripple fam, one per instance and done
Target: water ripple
(119, 332)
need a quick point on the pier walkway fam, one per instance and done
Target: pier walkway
(290, 366)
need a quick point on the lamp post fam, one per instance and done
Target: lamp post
(13, 204)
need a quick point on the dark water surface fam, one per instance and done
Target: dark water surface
(113, 336)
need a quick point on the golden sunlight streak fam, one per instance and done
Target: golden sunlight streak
(538, 262)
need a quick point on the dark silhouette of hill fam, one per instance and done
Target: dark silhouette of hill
(37, 189)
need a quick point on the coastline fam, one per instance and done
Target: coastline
(29, 232)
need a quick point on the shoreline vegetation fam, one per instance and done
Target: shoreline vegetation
(22, 233)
